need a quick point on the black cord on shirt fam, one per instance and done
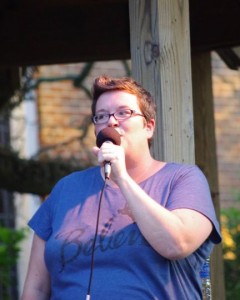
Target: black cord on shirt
(94, 242)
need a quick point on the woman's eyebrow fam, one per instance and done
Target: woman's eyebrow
(119, 107)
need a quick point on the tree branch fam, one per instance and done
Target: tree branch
(31, 176)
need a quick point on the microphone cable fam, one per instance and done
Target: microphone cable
(94, 241)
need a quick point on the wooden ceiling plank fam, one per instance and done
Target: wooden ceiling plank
(76, 34)
(64, 31)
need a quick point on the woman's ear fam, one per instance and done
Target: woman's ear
(150, 126)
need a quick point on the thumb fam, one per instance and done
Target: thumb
(95, 150)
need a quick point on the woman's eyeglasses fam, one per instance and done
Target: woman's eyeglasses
(119, 115)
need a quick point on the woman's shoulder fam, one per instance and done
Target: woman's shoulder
(180, 168)
(83, 174)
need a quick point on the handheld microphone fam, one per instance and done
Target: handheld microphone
(109, 135)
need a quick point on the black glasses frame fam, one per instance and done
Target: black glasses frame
(132, 113)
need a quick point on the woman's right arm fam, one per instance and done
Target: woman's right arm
(37, 283)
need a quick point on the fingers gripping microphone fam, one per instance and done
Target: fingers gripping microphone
(109, 135)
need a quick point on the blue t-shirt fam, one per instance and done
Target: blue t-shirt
(125, 265)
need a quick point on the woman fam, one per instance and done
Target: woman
(144, 233)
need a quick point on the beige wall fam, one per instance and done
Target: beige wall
(226, 90)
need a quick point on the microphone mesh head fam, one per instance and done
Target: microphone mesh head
(108, 134)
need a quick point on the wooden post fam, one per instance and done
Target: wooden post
(161, 61)
(160, 53)
(206, 151)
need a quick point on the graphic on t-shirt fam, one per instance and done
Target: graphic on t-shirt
(126, 211)
(77, 240)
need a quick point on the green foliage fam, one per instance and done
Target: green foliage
(231, 250)
(9, 252)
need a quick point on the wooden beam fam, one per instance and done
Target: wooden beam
(53, 32)
(160, 51)
(9, 82)
(214, 24)
(206, 157)
(231, 57)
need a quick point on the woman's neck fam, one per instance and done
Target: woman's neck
(144, 169)
(141, 170)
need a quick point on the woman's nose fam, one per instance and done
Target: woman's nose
(112, 121)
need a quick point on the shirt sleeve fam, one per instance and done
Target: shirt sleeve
(41, 222)
(190, 190)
